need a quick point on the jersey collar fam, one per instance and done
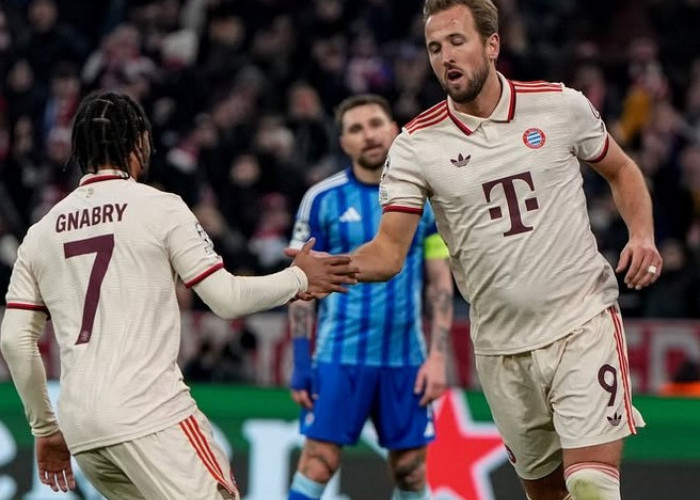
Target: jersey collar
(353, 178)
(104, 175)
(504, 111)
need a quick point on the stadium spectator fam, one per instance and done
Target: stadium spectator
(48, 41)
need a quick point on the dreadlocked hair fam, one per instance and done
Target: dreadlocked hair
(108, 127)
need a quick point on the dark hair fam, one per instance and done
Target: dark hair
(359, 100)
(484, 12)
(107, 128)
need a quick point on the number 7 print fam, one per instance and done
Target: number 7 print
(103, 247)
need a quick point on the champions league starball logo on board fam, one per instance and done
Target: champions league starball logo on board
(464, 452)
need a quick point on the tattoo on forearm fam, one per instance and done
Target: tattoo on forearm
(441, 336)
(302, 319)
(440, 301)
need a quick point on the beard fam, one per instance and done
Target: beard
(368, 164)
(474, 85)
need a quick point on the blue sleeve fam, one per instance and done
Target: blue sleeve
(428, 220)
(308, 224)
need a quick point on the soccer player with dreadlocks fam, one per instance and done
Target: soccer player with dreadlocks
(102, 264)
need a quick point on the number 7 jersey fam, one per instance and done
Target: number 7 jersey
(508, 200)
(103, 264)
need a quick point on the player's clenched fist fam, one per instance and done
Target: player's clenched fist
(325, 273)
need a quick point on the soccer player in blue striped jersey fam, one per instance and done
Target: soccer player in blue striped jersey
(370, 356)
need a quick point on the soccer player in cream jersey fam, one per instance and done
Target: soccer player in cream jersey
(499, 162)
(370, 356)
(103, 263)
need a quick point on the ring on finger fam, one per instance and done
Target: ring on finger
(652, 269)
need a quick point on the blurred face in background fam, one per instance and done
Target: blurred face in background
(367, 134)
(42, 15)
(459, 56)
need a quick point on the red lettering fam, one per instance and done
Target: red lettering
(107, 211)
(96, 211)
(73, 219)
(516, 222)
(120, 211)
(61, 223)
(84, 218)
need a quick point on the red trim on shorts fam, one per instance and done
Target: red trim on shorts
(27, 307)
(406, 210)
(206, 273)
(603, 153)
(624, 369)
(604, 468)
(207, 448)
(201, 446)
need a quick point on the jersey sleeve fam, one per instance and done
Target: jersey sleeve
(590, 141)
(189, 247)
(403, 187)
(308, 223)
(23, 292)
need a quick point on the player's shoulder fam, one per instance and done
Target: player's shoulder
(45, 222)
(323, 188)
(151, 198)
(536, 86)
(532, 90)
(427, 120)
(542, 96)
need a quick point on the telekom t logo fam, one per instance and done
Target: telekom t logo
(516, 222)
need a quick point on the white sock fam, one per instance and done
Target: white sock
(593, 481)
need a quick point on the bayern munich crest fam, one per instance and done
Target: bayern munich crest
(534, 138)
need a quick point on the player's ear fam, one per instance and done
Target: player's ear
(343, 143)
(493, 46)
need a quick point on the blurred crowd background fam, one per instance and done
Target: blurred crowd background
(241, 94)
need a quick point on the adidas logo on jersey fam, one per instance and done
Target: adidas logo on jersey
(461, 161)
(615, 419)
(350, 215)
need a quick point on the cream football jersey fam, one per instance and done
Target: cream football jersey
(103, 263)
(508, 200)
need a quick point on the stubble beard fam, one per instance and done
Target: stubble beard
(474, 86)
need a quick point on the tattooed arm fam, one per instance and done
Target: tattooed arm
(302, 315)
(432, 377)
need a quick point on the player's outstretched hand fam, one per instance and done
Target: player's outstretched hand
(642, 261)
(325, 273)
(53, 459)
(431, 380)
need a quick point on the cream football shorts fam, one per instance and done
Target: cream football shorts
(569, 394)
(181, 462)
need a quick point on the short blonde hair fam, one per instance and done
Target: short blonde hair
(484, 12)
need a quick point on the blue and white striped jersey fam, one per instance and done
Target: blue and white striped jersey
(377, 324)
